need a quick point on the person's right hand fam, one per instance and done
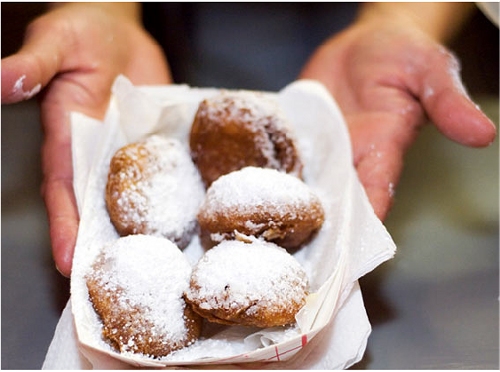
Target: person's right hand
(72, 55)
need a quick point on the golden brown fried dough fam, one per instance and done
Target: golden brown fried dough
(241, 128)
(251, 284)
(261, 202)
(154, 188)
(136, 286)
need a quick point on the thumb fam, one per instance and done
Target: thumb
(450, 108)
(28, 71)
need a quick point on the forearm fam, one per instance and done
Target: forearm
(440, 20)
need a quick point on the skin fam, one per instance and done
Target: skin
(76, 66)
(388, 71)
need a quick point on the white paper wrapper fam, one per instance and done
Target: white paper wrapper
(351, 242)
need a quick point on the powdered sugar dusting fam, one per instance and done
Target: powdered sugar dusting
(261, 115)
(164, 197)
(235, 275)
(248, 106)
(150, 274)
(19, 92)
(254, 187)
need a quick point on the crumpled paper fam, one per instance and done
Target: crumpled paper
(332, 329)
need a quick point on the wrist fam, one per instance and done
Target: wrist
(130, 11)
(440, 21)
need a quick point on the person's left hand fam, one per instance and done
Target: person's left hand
(387, 79)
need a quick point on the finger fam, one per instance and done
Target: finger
(57, 186)
(16, 86)
(25, 73)
(62, 97)
(379, 172)
(63, 221)
(449, 107)
(379, 141)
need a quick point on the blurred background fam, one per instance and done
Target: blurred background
(434, 306)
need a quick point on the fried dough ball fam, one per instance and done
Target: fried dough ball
(251, 284)
(136, 286)
(261, 202)
(154, 188)
(236, 129)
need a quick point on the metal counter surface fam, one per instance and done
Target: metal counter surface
(434, 306)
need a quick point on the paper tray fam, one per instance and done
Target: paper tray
(351, 242)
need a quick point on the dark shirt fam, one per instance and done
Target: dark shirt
(242, 45)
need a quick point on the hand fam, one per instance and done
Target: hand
(387, 77)
(74, 53)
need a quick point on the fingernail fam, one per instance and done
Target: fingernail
(60, 272)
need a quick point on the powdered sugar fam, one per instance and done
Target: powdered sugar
(150, 274)
(238, 275)
(19, 92)
(261, 117)
(163, 197)
(254, 187)
(250, 107)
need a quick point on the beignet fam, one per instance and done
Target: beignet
(252, 283)
(136, 287)
(261, 202)
(154, 188)
(236, 129)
